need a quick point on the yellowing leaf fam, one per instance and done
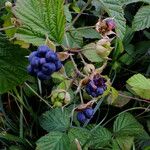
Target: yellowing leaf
(89, 51)
(140, 86)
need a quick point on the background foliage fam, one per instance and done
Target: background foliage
(121, 115)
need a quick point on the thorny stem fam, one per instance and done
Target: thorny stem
(82, 102)
(81, 28)
(130, 109)
(83, 61)
(38, 95)
(21, 116)
(75, 66)
(72, 81)
(78, 144)
(40, 86)
(84, 13)
(76, 18)
(95, 109)
(143, 111)
(138, 99)
(102, 67)
(6, 28)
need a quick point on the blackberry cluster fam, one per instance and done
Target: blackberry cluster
(96, 86)
(85, 114)
(43, 63)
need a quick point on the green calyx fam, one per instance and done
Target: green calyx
(89, 68)
(103, 48)
(8, 5)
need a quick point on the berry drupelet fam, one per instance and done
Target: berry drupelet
(81, 117)
(96, 86)
(85, 114)
(88, 112)
(43, 63)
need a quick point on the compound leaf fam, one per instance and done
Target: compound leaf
(126, 124)
(40, 18)
(142, 19)
(55, 120)
(53, 141)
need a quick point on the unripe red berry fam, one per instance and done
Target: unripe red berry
(110, 23)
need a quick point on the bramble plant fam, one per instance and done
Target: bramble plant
(74, 74)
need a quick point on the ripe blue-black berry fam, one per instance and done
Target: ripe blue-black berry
(42, 76)
(100, 90)
(88, 112)
(33, 54)
(96, 86)
(58, 65)
(94, 94)
(35, 62)
(43, 62)
(51, 56)
(36, 70)
(42, 50)
(81, 117)
(30, 70)
(48, 68)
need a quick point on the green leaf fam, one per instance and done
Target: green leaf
(7, 23)
(11, 138)
(120, 101)
(126, 2)
(119, 48)
(57, 77)
(73, 39)
(128, 36)
(69, 68)
(126, 125)
(142, 19)
(81, 134)
(113, 96)
(147, 148)
(126, 59)
(115, 145)
(13, 147)
(98, 8)
(67, 13)
(144, 136)
(130, 49)
(123, 143)
(12, 65)
(2, 3)
(139, 85)
(55, 120)
(40, 19)
(114, 9)
(89, 33)
(100, 137)
(147, 34)
(53, 141)
(65, 84)
(89, 51)
(141, 48)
